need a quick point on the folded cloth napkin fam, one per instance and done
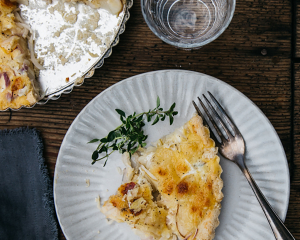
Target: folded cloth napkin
(26, 199)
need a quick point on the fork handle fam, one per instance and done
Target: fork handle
(279, 229)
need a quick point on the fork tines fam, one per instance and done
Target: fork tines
(218, 119)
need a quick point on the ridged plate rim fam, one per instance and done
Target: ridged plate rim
(283, 208)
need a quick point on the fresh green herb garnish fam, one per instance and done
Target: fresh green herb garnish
(129, 136)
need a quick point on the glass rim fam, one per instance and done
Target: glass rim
(191, 45)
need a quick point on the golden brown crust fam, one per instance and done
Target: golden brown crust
(185, 170)
(188, 177)
(7, 5)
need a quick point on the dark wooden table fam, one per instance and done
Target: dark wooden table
(257, 54)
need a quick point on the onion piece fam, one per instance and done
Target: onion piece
(148, 173)
(176, 221)
(187, 236)
(6, 79)
(195, 234)
(21, 24)
(24, 25)
(32, 57)
(26, 28)
(18, 17)
(8, 96)
(190, 234)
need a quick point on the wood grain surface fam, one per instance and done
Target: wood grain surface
(294, 206)
(253, 55)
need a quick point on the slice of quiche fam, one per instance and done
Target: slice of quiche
(16, 70)
(183, 168)
(135, 205)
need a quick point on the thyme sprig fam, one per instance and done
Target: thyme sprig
(129, 136)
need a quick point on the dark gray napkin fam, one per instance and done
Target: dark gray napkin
(26, 199)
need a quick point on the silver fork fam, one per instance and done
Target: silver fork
(232, 147)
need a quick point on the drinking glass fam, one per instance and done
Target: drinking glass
(188, 24)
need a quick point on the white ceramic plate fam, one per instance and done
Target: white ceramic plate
(241, 216)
